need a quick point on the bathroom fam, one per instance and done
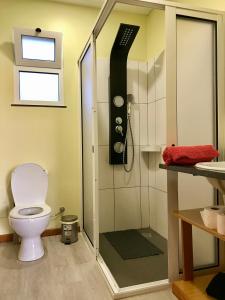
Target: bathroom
(131, 197)
(51, 137)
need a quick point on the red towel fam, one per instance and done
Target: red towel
(189, 155)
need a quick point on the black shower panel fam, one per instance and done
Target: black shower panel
(118, 92)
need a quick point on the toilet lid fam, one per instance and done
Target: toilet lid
(29, 183)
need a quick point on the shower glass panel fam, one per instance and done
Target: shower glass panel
(197, 66)
(133, 206)
(87, 145)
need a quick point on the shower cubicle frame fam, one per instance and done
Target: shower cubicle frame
(171, 9)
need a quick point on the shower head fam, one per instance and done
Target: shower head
(118, 87)
(125, 38)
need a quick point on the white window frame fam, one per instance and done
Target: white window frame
(17, 101)
(20, 61)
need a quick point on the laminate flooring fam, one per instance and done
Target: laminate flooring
(65, 272)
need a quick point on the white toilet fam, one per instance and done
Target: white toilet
(30, 216)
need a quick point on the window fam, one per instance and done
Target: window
(36, 86)
(38, 74)
(38, 48)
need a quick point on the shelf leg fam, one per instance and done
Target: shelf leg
(186, 230)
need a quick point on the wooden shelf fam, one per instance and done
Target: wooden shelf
(194, 171)
(192, 290)
(193, 217)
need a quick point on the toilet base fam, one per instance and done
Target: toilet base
(31, 249)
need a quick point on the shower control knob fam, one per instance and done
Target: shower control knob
(118, 147)
(119, 120)
(119, 129)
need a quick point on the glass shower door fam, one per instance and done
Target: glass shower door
(88, 140)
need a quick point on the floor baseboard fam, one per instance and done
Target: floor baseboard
(48, 232)
(53, 231)
(9, 237)
(6, 237)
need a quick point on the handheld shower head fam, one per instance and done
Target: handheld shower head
(130, 100)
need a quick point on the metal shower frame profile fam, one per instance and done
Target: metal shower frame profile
(171, 9)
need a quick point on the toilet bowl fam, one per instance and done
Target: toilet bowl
(30, 216)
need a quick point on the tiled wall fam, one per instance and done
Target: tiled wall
(157, 136)
(136, 199)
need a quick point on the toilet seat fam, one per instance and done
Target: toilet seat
(16, 214)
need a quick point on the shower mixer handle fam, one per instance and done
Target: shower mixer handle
(119, 129)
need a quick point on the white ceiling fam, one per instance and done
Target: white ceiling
(99, 3)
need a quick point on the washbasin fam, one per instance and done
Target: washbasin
(215, 166)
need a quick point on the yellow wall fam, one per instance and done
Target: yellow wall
(155, 33)
(212, 4)
(48, 136)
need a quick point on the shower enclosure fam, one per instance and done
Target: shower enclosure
(133, 95)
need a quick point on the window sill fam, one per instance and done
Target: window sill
(40, 105)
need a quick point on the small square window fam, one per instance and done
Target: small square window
(34, 86)
(42, 49)
(39, 48)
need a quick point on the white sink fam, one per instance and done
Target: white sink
(217, 166)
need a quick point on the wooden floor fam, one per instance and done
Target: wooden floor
(65, 272)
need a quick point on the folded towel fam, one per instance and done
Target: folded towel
(189, 155)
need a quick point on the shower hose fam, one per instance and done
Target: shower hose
(128, 169)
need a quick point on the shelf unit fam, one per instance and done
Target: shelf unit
(151, 148)
(193, 171)
(191, 288)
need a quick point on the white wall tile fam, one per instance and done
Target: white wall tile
(145, 217)
(102, 80)
(103, 123)
(123, 179)
(158, 211)
(143, 124)
(106, 210)
(151, 171)
(160, 76)
(105, 169)
(161, 122)
(127, 208)
(132, 79)
(151, 123)
(143, 82)
(144, 168)
(151, 80)
(135, 125)
(160, 174)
